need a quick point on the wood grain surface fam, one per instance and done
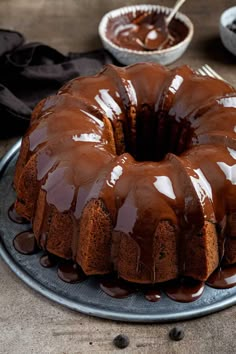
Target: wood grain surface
(29, 322)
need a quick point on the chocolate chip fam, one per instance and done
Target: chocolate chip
(232, 26)
(121, 341)
(176, 333)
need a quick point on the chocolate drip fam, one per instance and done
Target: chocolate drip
(13, 216)
(25, 243)
(70, 272)
(184, 290)
(117, 288)
(48, 260)
(223, 278)
(153, 294)
(180, 290)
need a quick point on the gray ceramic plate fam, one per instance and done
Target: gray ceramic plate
(86, 297)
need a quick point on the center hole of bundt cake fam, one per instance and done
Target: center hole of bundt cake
(150, 136)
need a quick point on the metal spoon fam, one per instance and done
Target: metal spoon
(150, 39)
(177, 6)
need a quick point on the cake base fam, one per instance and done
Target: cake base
(86, 297)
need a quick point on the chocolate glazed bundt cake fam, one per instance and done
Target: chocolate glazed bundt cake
(134, 170)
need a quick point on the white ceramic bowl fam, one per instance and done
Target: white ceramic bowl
(228, 37)
(128, 56)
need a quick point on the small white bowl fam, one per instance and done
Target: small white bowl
(129, 56)
(228, 37)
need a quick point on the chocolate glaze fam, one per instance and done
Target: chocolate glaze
(145, 31)
(181, 194)
(13, 216)
(25, 243)
(70, 272)
(223, 278)
(48, 260)
(117, 288)
(180, 290)
(184, 290)
(153, 294)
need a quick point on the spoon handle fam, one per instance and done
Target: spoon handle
(178, 4)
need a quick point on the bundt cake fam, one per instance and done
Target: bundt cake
(133, 170)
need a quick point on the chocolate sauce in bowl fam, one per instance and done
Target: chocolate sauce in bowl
(223, 278)
(13, 216)
(145, 31)
(232, 26)
(184, 289)
(25, 243)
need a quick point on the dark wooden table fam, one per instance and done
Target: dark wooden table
(31, 323)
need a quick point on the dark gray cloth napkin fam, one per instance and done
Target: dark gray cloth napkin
(32, 71)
